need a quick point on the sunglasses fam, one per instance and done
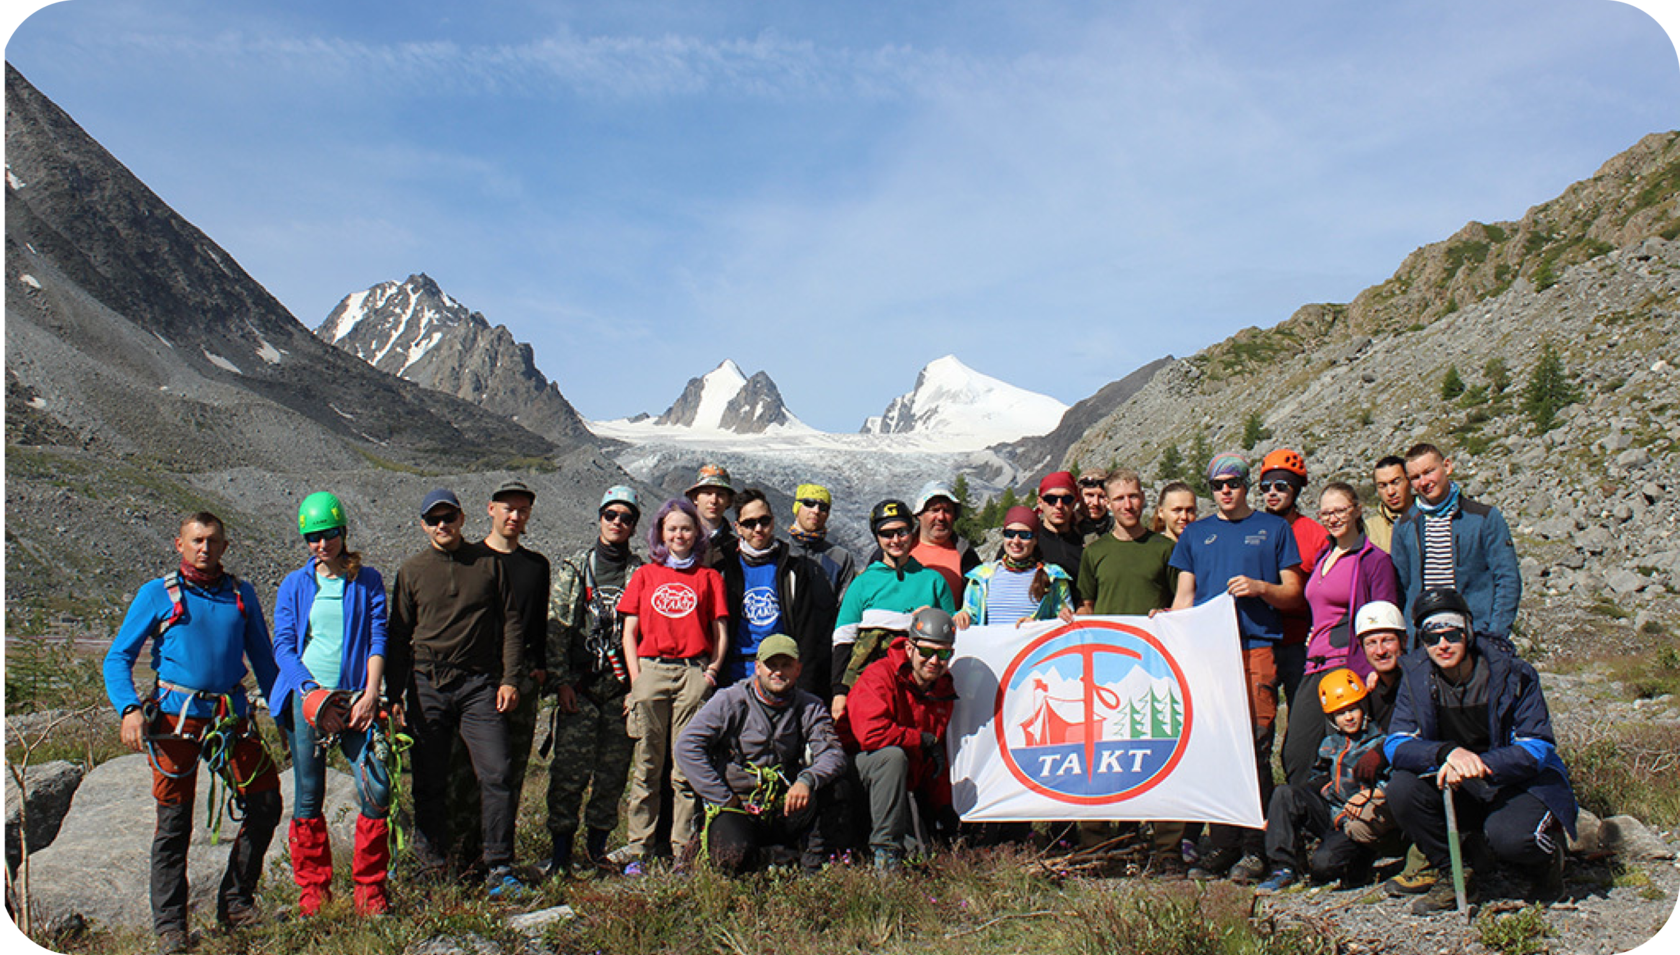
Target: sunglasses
(754, 523)
(1430, 638)
(819, 505)
(331, 533)
(627, 518)
(937, 653)
(1090, 482)
(1334, 514)
(1055, 499)
(1018, 535)
(1227, 484)
(893, 533)
(435, 518)
(1278, 486)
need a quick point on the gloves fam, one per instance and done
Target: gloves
(934, 751)
(1369, 767)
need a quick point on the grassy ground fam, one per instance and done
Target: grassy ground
(965, 903)
(968, 902)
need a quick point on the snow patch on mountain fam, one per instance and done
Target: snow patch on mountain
(966, 408)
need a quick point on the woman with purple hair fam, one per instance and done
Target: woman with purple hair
(675, 635)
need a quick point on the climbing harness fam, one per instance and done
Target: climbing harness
(380, 762)
(216, 742)
(770, 786)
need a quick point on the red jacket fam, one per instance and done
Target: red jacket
(887, 708)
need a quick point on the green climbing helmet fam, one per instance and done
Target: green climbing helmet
(320, 511)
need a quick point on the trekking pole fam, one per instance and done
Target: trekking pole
(1453, 849)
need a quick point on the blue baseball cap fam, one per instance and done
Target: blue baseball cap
(438, 496)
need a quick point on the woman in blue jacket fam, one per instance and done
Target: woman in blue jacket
(329, 632)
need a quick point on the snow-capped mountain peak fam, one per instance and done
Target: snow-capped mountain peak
(394, 324)
(415, 330)
(725, 400)
(954, 401)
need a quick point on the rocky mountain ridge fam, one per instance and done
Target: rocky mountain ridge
(147, 376)
(415, 330)
(1592, 500)
(725, 399)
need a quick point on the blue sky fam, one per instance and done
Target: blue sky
(837, 193)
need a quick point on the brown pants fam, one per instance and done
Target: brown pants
(175, 760)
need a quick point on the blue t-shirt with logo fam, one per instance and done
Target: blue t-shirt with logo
(761, 616)
(1260, 546)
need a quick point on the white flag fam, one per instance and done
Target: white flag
(1105, 718)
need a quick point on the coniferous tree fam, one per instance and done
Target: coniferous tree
(1549, 390)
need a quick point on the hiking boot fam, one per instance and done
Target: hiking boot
(1281, 878)
(239, 916)
(1414, 882)
(502, 885)
(595, 845)
(1168, 865)
(623, 856)
(1215, 863)
(173, 941)
(1548, 883)
(1440, 897)
(1248, 869)
(888, 860)
(560, 864)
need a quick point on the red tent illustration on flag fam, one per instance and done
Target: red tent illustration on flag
(1048, 727)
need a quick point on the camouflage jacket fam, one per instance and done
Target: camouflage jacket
(585, 630)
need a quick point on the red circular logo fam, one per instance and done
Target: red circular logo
(1093, 713)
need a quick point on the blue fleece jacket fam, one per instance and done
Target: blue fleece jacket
(205, 650)
(364, 631)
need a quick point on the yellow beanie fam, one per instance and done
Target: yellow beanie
(810, 492)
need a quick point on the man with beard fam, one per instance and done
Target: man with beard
(763, 756)
(937, 545)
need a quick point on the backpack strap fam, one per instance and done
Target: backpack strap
(172, 587)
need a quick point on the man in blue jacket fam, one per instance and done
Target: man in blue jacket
(1449, 540)
(204, 624)
(1473, 715)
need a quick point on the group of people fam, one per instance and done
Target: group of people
(771, 699)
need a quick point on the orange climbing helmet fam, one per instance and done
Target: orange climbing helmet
(1339, 689)
(1285, 459)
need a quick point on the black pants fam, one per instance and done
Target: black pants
(1519, 829)
(1306, 730)
(1299, 811)
(173, 836)
(464, 705)
(738, 841)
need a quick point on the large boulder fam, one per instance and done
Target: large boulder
(1630, 839)
(98, 866)
(46, 794)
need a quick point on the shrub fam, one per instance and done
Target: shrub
(1514, 933)
(1254, 430)
(1498, 375)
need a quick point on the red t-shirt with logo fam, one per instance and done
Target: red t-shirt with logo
(674, 609)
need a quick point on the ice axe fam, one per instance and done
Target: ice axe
(1452, 846)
